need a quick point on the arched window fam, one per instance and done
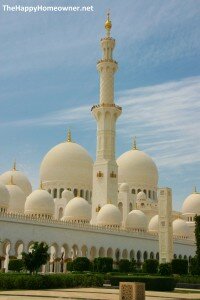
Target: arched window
(133, 191)
(151, 255)
(138, 256)
(130, 207)
(49, 190)
(157, 255)
(145, 255)
(55, 193)
(75, 192)
(120, 206)
(60, 193)
(82, 193)
(149, 194)
(60, 213)
(87, 195)
(139, 190)
(145, 191)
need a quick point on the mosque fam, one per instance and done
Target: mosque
(107, 208)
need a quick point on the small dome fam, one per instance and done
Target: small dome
(141, 196)
(19, 178)
(136, 219)
(69, 164)
(109, 215)
(40, 202)
(180, 228)
(124, 187)
(137, 168)
(77, 210)
(4, 197)
(191, 205)
(153, 224)
(17, 199)
(68, 195)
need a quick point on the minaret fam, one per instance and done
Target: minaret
(105, 171)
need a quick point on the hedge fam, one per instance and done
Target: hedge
(152, 283)
(179, 266)
(165, 269)
(150, 266)
(103, 264)
(124, 266)
(16, 265)
(188, 279)
(36, 282)
(81, 264)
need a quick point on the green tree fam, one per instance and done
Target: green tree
(197, 237)
(37, 257)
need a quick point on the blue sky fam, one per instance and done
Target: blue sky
(48, 82)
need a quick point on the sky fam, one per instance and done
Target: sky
(49, 81)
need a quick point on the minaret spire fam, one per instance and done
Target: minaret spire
(14, 166)
(108, 25)
(105, 170)
(69, 136)
(135, 143)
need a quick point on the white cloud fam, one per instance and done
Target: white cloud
(165, 117)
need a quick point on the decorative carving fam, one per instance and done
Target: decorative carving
(99, 174)
(98, 208)
(113, 175)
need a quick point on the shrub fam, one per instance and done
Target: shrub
(165, 269)
(152, 283)
(70, 266)
(81, 264)
(25, 281)
(124, 265)
(179, 266)
(16, 265)
(133, 265)
(103, 264)
(150, 266)
(194, 268)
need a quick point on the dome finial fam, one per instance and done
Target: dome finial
(69, 136)
(195, 190)
(14, 166)
(108, 24)
(135, 143)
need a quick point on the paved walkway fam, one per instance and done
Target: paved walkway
(92, 294)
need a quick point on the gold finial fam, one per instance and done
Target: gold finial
(109, 201)
(135, 143)
(14, 166)
(69, 136)
(108, 24)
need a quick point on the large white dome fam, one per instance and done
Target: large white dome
(77, 210)
(19, 178)
(191, 205)
(136, 219)
(4, 197)
(153, 224)
(137, 168)
(109, 215)
(17, 198)
(69, 164)
(180, 228)
(40, 203)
